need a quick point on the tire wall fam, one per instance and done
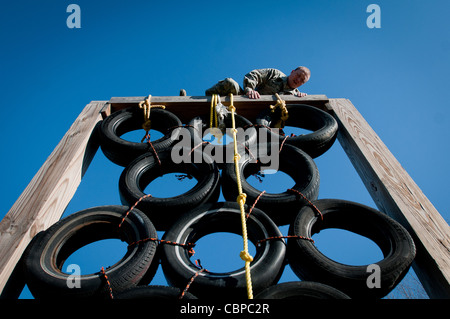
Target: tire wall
(186, 218)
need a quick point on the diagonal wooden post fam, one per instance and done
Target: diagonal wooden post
(44, 200)
(396, 194)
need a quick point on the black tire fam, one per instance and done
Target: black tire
(282, 207)
(154, 293)
(122, 152)
(163, 212)
(266, 267)
(47, 252)
(301, 290)
(323, 125)
(308, 263)
(223, 153)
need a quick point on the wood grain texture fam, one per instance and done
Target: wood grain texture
(188, 107)
(396, 194)
(44, 200)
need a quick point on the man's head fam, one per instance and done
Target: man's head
(298, 77)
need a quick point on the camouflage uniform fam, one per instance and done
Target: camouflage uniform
(265, 81)
(225, 87)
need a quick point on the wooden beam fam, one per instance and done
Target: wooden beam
(396, 194)
(44, 200)
(188, 107)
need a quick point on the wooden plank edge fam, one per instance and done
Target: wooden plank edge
(207, 99)
(44, 200)
(187, 107)
(396, 194)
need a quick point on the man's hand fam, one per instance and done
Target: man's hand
(253, 94)
(301, 94)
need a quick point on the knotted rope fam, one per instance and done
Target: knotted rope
(146, 106)
(245, 256)
(284, 111)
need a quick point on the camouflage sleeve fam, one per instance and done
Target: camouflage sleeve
(258, 77)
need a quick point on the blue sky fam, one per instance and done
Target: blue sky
(397, 77)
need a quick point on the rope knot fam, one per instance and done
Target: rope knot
(145, 103)
(284, 114)
(284, 111)
(241, 198)
(245, 256)
(147, 125)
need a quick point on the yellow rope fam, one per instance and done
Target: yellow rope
(284, 111)
(213, 101)
(146, 106)
(215, 131)
(213, 112)
(245, 256)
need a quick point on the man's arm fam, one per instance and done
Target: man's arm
(255, 78)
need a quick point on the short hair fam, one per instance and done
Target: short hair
(304, 70)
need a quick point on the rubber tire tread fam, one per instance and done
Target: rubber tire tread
(323, 125)
(308, 263)
(301, 290)
(281, 207)
(163, 212)
(266, 267)
(122, 152)
(46, 253)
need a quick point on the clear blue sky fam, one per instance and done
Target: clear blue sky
(397, 77)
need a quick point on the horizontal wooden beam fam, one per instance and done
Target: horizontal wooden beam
(396, 194)
(188, 107)
(44, 200)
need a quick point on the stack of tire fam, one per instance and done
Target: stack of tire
(188, 217)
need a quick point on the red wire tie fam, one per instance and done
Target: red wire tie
(198, 145)
(147, 139)
(197, 262)
(191, 246)
(254, 204)
(133, 207)
(282, 143)
(156, 155)
(249, 152)
(102, 271)
(309, 202)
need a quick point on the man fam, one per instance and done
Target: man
(264, 81)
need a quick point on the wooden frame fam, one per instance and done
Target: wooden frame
(396, 194)
(45, 198)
